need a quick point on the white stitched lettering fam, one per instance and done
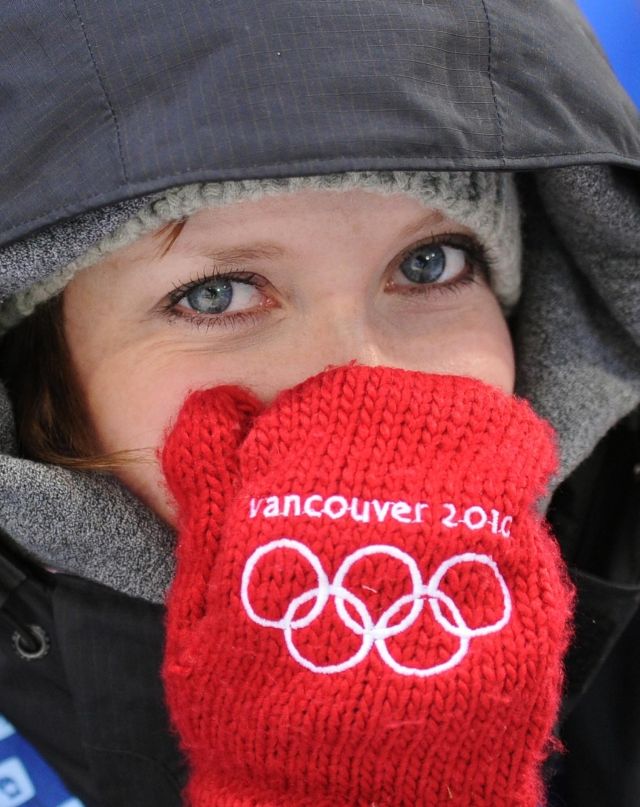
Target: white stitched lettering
(292, 499)
(381, 509)
(336, 506)
(307, 506)
(419, 508)
(399, 511)
(273, 507)
(364, 515)
(329, 509)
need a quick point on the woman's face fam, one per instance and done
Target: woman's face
(267, 293)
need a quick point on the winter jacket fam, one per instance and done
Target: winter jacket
(102, 103)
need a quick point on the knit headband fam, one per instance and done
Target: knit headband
(486, 202)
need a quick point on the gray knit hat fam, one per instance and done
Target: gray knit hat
(43, 264)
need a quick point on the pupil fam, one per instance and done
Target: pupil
(425, 265)
(213, 297)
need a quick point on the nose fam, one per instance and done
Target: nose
(339, 335)
(344, 338)
(334, 333)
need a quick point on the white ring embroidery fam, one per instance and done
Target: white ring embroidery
(375, 633)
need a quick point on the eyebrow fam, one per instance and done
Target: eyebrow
(429, 220)
(239, 254)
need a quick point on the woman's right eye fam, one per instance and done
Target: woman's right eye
(218, 295)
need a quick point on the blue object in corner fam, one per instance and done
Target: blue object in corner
(617, 26)
(25, 778)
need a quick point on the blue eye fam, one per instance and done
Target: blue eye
(212, 297)
(433, 265)
(426, 264)
(221, 294)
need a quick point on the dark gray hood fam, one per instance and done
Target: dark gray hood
(102, 102)
(103, 99)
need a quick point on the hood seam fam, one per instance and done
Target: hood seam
(105, 92)
(492, 82)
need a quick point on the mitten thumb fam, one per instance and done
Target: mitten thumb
(199, 460)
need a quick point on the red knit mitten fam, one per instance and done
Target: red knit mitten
(367, 608)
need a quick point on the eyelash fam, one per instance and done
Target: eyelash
(478, 260)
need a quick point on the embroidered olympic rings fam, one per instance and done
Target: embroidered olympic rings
(376, 633)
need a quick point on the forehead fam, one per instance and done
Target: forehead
(283, 216)
(308, 202)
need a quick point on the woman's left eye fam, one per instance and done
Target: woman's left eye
(430, 264)
(434, 264)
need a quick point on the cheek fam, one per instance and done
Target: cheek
(133, 398)
(484, 352)
(471, 340)
(131, 404)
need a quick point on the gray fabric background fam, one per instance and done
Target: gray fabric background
(578, 326)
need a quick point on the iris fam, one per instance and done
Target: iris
(213, 297)
(425, 265)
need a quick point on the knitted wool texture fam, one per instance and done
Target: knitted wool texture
(367, 608)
